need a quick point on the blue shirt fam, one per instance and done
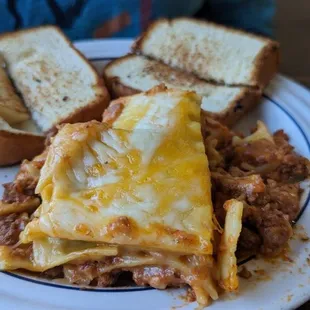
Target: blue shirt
(82, 19)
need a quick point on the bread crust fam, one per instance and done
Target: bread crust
(244, 103)
(266, 62)
(94, 109)
(266, 65)
(11, 106)
(16, 146)
(117, 89)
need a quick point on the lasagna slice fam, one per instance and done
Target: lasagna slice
(136, 197)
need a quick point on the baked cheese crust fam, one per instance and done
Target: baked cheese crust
(145, 182)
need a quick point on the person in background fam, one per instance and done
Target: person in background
(85, 19)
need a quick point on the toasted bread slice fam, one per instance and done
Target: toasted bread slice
(11, 106)
(132, 74)
(210, 51)
(56, 82)
(16, 144)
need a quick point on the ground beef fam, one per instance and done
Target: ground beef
(251, 216)
(53, 273)
(281, 140)
(107, 279)
(237, 185)
(256, 153)
(268, 210)
(25, 181)
(259, 173)
(249, 242)
(82, 274)
(276, 161)
(275, 230)
(11, 226)
(22, 251)
(284, 197)
(271, 225)
(251, 186)
(216, 131)
(293, 168)
(280, 196)
(90, 273)
(14, 193)
(158, 277)
(237, 172)
(265, 176)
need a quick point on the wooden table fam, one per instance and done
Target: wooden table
(292, 30)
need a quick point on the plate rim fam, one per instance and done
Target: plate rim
(83, 45)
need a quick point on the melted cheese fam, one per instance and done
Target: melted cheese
(50, 252)
(146, 183)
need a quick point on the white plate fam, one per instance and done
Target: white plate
(282, 285)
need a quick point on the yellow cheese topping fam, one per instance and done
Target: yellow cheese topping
(145, 182)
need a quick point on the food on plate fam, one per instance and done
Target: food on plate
(228, 68)
(133, 73)
(255, 180)
(134, 196)
(133, 193)
(57, 83)
(125, 167)
(21, 193)
(264, 172)
(12, 109)
(210, 51)
(16, 144)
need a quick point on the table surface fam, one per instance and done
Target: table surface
(292, 25)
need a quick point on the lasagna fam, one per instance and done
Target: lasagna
(130, 194)
(255, 189)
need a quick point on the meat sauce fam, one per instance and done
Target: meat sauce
(265, 174)
(262, 174)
